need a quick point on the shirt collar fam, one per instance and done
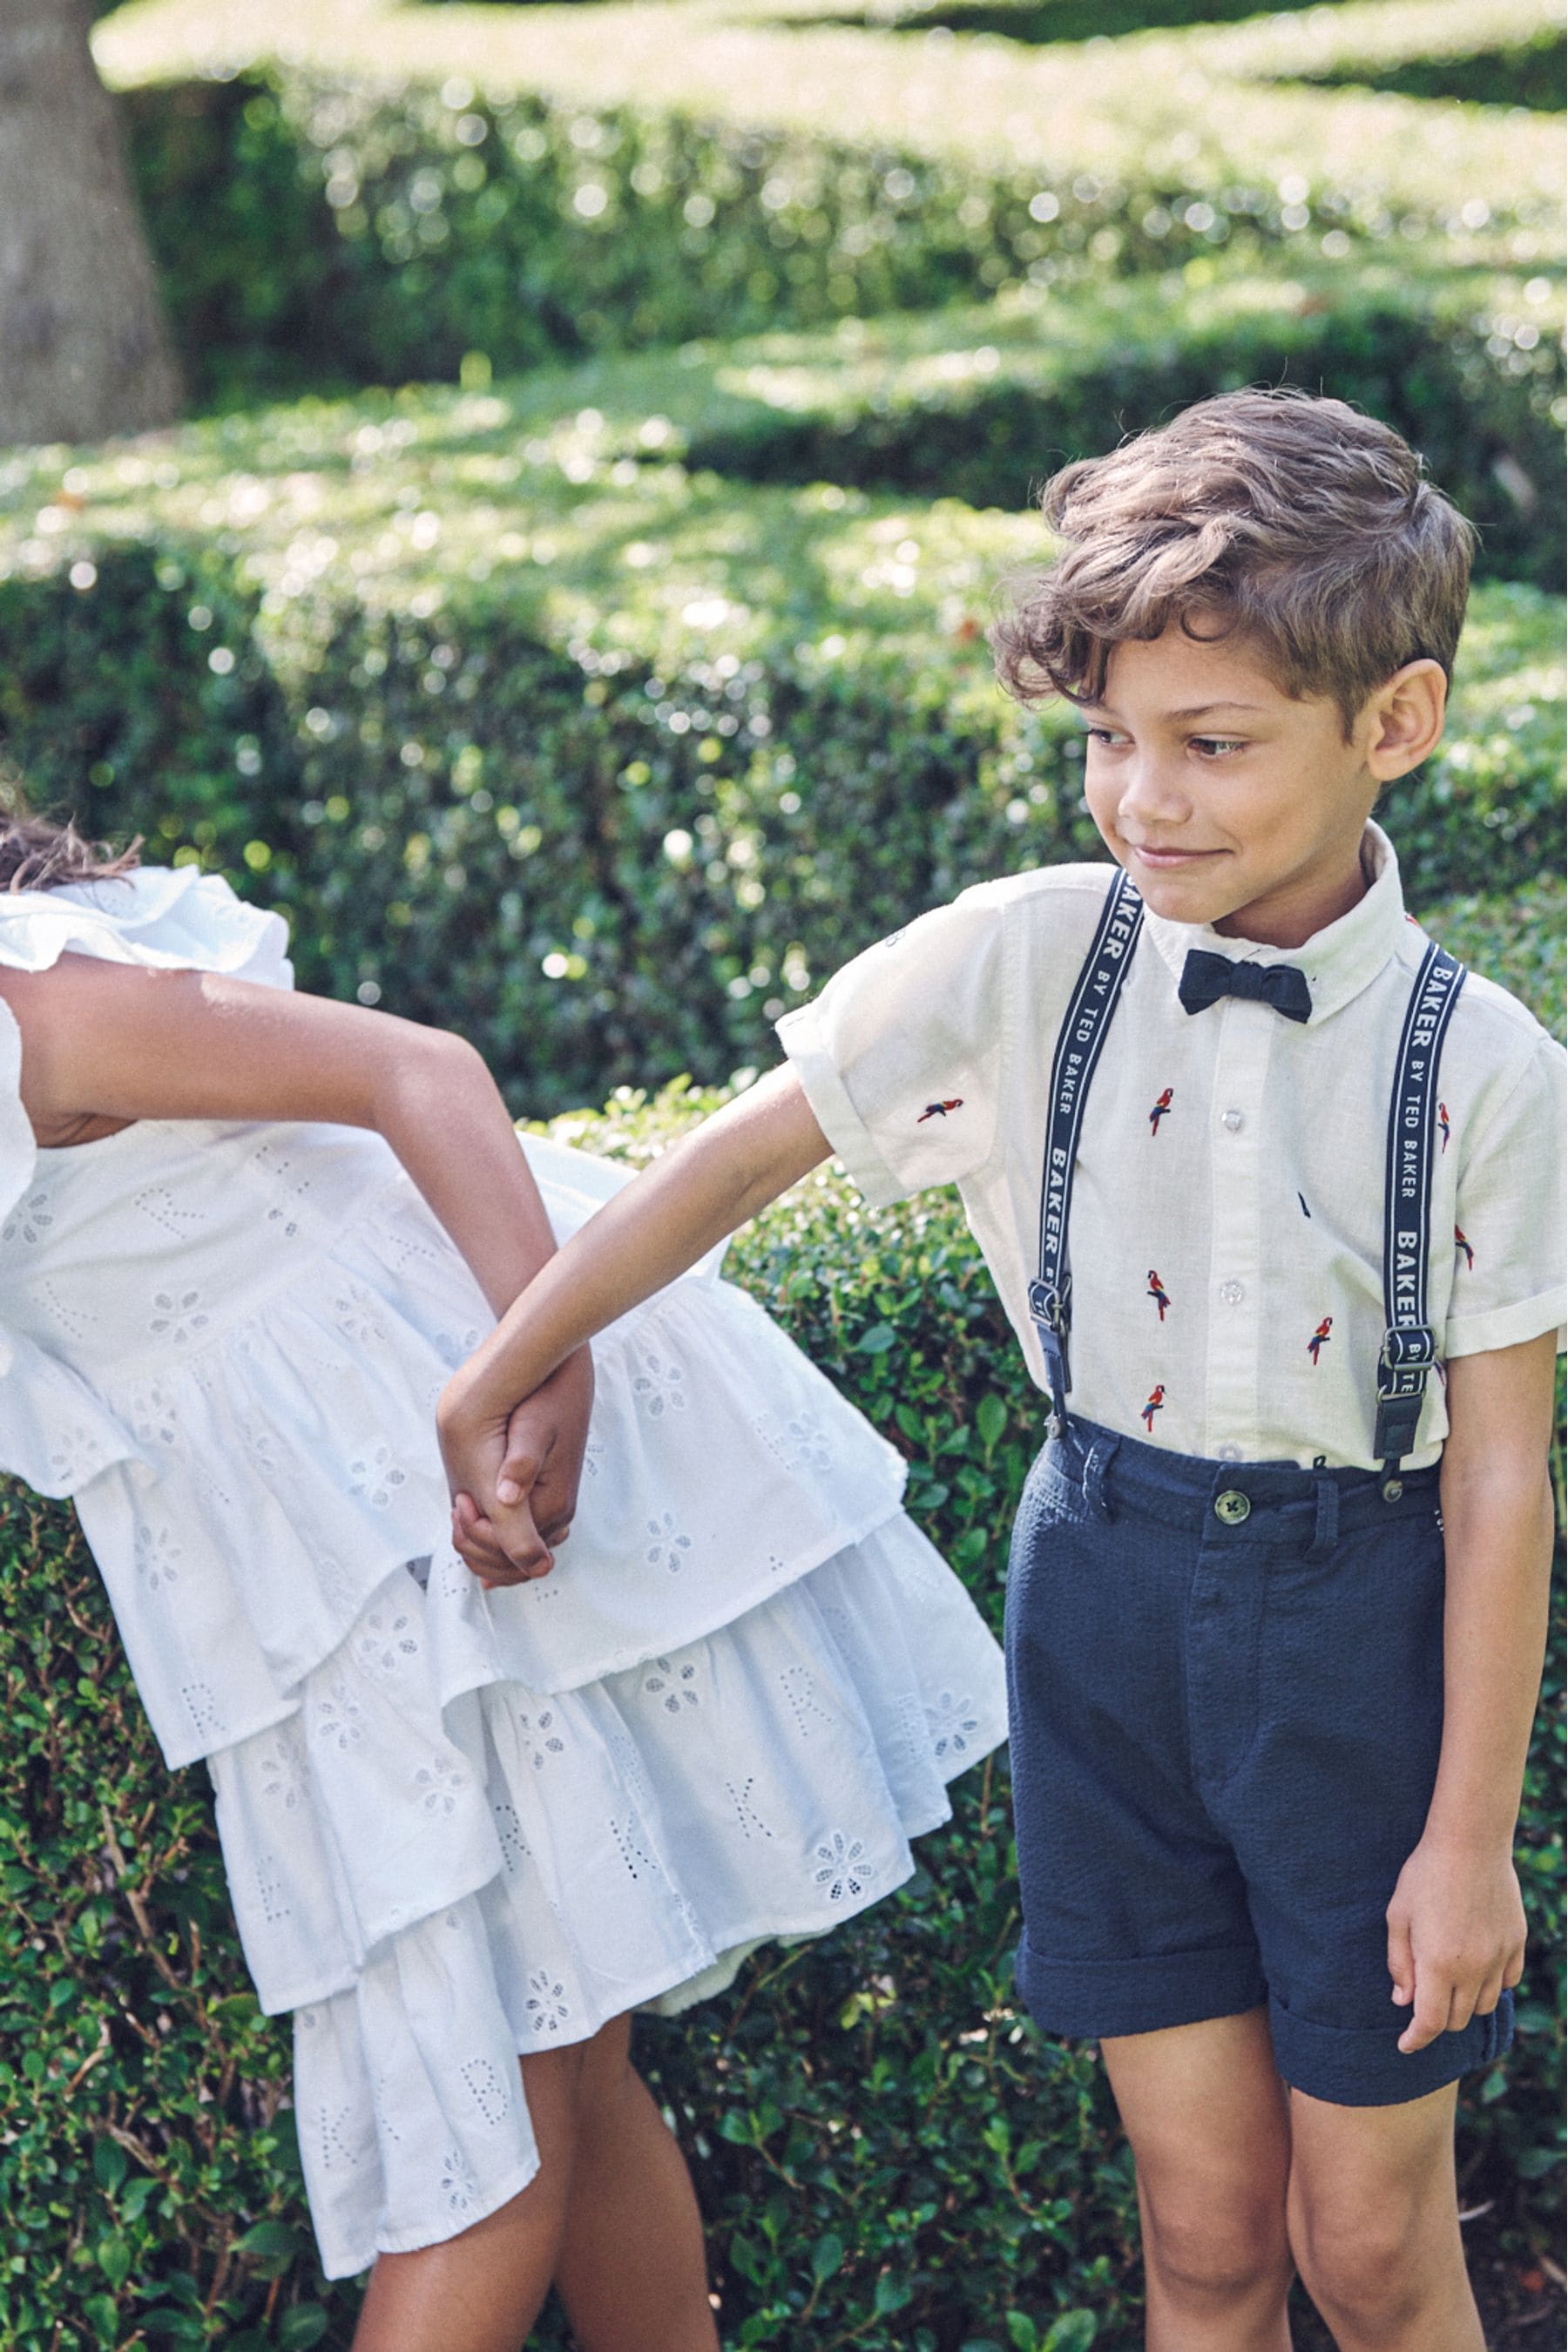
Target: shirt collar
(1338, 960)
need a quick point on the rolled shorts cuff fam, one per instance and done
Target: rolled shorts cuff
(1361, 2069)
(1088, 1998)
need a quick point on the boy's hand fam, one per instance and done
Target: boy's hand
(514, 1481)
(1456, 1936)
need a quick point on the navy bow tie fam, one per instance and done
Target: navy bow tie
(1206, 978)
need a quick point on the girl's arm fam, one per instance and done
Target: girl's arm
(1455, 1925)
(105, 1044)
(648, 1234)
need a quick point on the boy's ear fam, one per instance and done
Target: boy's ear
(1403, 719)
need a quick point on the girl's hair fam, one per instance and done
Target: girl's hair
(1293, 521)
(36, 854)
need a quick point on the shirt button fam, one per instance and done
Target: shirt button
(1233, 1293)
(1228, 1454)
(1232, 1122)
(1232, 1508)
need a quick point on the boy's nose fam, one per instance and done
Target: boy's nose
(1153, 793)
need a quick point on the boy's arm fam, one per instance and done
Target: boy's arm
(1455, 1925)
(652, 1231)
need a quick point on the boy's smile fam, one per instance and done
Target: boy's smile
(1234, 803)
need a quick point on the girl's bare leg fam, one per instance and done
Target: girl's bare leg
(1207, 2114)
(632, 2272)
(481, 2290)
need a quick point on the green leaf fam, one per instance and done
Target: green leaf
(991, 1420)
(876, 1341)
(892, 2294)
(109, 2164)
(1022, 2329)
(304, 2325)
(102, 2314)
(1075, 2331)
(826, 2255)
(115, 2260)
(139, 2190)
(270, 2245)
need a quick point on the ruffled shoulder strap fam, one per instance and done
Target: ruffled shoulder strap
(170, 918)
(163, 917)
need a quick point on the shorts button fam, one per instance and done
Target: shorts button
(1232, 1508)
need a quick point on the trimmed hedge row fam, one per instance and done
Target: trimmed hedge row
(1526, 70)
(1150, 101)
(147, 2156)
(326, 230)
(607, 761)
(1531, 75)
(977, 404)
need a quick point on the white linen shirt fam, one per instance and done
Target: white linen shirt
(1227, 1206)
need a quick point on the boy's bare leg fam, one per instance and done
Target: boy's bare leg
(632, 2272)
(481, 2290)
(1374, 2220)
(1207, 2114)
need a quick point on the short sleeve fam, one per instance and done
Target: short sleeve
(1510, 1217)
(900, 1056)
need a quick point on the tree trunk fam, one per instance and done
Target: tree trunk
(83, 347)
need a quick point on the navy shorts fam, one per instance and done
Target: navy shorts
(1226, 1701)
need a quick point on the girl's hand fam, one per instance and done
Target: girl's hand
(1456, 1936)
(514, 1480)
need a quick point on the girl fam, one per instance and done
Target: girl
(247, 1237)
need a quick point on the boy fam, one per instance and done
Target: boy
(1276, 1611)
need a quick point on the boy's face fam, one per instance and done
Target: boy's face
(1232, 804)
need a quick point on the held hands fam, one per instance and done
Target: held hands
(1456, 1936)
(514, 1475)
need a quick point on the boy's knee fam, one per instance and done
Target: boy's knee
(1365, 2266)
(1209, 2245)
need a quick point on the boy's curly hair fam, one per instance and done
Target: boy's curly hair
(1293, 521)
(38, 854)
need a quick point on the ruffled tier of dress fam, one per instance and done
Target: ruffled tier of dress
(438, 1867)
(286, 1463)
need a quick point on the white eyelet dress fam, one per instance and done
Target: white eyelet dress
(456, 1825)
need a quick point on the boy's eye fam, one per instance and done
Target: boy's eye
(1104, 735)
(1214, 747)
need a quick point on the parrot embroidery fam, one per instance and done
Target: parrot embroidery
(1443, 1122)
(939, 1110)
(1156, 1398)
(1320, 1338)
(1464, 1244)
(1158, 1293)
(1158, 1113)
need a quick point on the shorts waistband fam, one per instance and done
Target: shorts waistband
(1121, 1473)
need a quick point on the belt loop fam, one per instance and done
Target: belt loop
(1096, 1478)
(1326, 1525)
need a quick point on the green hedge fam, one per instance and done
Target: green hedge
(978, 403)
(1528, 72)
(410, 190)
(147, 2164)
(607, 761)
(1531, 75)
